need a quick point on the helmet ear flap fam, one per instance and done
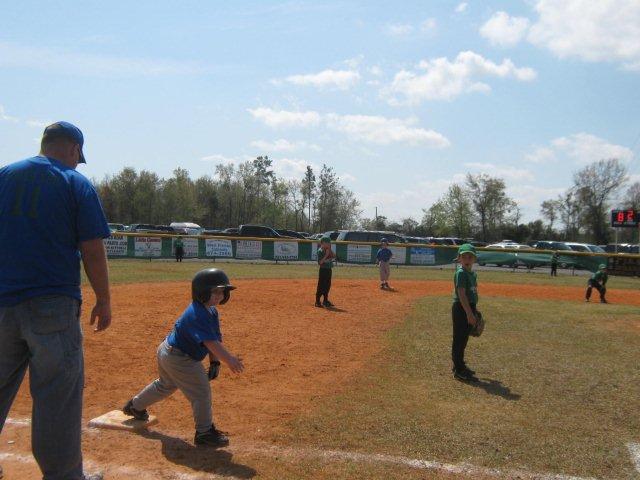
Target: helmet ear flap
(227, 295)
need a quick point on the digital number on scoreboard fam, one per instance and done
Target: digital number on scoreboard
(625, 218)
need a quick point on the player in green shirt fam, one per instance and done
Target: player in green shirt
(598, 281)
(463, 311)
(325, 261)
(179, 249)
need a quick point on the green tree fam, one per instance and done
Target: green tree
(491, 204)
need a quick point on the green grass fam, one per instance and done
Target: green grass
(137, 271)
(559, 391)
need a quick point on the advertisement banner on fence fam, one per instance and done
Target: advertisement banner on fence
(116, 246)
(422, 256)
(218, 248)
(399, 255)
(249, 249)
(148, 247)
(359, 253)
(314, 250)
(285, 250)
(190, 246)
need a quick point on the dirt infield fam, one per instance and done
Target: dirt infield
(294, 354)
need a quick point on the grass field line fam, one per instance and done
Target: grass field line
(297, 453)
(634, 451)
(138, 473)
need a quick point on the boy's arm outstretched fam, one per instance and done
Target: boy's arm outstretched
(218, 351)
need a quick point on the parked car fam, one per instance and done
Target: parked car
(551, 245)
(289, 233)
(188, 227)
(332, 234)
(260, 231)
(584, 247)
(622, 248)
(510, 246)
(116, 227)
(368, 236)
(446, 241)
(416, 239)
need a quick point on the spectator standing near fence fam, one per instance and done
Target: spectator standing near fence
(179, 249)
(50, 218)
(554, 264)
(383, 257)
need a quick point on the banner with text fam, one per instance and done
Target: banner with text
(249, 249)
(148, 247)
(116, 246)
(285, 250)
(218, 248)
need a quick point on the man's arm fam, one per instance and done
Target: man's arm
(94, 259)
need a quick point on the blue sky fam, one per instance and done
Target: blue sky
(401, 100)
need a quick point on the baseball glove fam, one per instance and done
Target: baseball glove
(214, 370)
(479, 327)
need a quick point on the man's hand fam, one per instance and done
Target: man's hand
(471, 319)
(102, 312)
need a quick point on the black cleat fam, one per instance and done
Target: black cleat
(603, 301)
(212, 438)
(327, 303)
(318, 304)
(464, 376)
(132, 412)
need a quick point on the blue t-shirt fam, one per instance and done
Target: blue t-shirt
(384, 255)
(46, 210)
(196, 325)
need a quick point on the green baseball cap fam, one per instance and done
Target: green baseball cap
(467, 248)
(325, 240)
(602, 266)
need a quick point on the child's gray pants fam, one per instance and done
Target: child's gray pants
(177, 370)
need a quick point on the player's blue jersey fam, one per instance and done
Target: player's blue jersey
(46, 210)
(196, 325)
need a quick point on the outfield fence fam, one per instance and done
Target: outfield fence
(158, 246)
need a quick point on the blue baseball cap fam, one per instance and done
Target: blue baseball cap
(65, 130)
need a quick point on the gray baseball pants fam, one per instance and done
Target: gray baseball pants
(178, 371)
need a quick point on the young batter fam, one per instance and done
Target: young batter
(598, 281)
(383, 257)
(195, 335)
(463, 311)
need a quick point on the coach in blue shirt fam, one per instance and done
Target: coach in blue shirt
(50, 220)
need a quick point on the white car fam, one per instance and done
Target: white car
(510, 246)
(584, 247)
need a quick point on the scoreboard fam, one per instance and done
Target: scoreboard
(625, 218)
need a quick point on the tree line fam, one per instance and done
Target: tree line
(248, 193)
(479, 207)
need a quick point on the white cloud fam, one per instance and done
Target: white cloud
(291, 168)
(347, 178)
(339, 79)
(428, 26)
(284, 118)
(218, 158)
(441, 79)
(504, 30)
(5, 117)
(384, 131)
(376, 71)
(506, 172)
(605, 30)
(399, 29)
(283, 145)
(579, 148)
(529, 198)
(540, 155)
(368, 128)
(462, 7)
(38, 123)
(71, 63)
(585, 148)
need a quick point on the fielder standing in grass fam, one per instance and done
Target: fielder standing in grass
(598, 281)
(325, 261)
(463, 311)
(195, 335)
(383, 258)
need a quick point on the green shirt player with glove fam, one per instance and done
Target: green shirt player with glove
(463, 311)
(598, 281)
